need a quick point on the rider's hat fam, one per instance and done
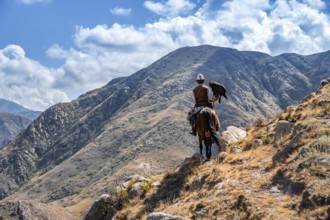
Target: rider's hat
(200, 78)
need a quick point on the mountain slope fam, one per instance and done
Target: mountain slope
(282, 173)
(11, 107)
(10, 126)
(76, 149)
(14, 118)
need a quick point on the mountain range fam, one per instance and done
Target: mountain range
(10, 126)
(74, 151)
(7, 106)
(14, 118)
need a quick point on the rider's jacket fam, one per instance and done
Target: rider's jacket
(201, 95)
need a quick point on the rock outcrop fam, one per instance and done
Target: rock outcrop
(104, 208)
(233, 134)
(164, 216)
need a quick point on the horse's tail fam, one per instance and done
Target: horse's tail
(208, 119)
(211, 118)
(210, 123)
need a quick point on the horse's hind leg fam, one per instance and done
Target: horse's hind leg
(208, 144)
(200, 146)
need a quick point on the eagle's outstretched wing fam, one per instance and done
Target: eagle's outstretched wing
(218, 89)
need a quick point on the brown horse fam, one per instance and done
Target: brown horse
(204, 130)
(207, 123)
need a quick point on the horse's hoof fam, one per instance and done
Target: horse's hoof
(206, 160)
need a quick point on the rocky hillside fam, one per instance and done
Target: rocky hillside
(280, 170)
(18, 210)
(10, 126)
(11, 107)
(73, 151)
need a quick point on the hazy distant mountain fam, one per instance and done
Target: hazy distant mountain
(14, 118)
(12, 107)
(10, 126)
(79, 148)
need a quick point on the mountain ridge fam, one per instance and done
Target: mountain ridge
(7, 106)
(278, 171)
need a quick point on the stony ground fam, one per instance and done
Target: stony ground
(280, 170)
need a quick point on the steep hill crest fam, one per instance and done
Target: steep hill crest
(281, 172)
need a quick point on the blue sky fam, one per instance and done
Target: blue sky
(54, 50)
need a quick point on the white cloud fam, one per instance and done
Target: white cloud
(120, 11)
(259, 25)
(12, 52)
(30, 2)
(105, 52)
(317, 4)
(57, 52)
(297, 27)
(25, 81)
(103, 37)
(170, 8)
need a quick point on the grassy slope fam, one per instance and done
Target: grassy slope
(284, 178)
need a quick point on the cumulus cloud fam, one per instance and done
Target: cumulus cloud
(105, 52)
(120, 11)
(170, 8)
(273, 27)
(25, 81)
(30, 2)
(57, 52)
(317, 4)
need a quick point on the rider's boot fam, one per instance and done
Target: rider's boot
(193, 130)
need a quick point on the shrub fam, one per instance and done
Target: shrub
(249, 145)
(145, 187)
(258, 122)
(266, 139)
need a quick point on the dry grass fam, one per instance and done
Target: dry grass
(80, 209)
(241, 187)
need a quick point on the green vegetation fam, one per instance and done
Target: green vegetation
(145, 187)
(266, 140)
(130, 185)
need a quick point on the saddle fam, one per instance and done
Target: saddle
(202, 109)
(214, 115)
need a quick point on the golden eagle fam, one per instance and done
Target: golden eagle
(218, 90)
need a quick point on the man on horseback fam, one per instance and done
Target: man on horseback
(201, 94)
